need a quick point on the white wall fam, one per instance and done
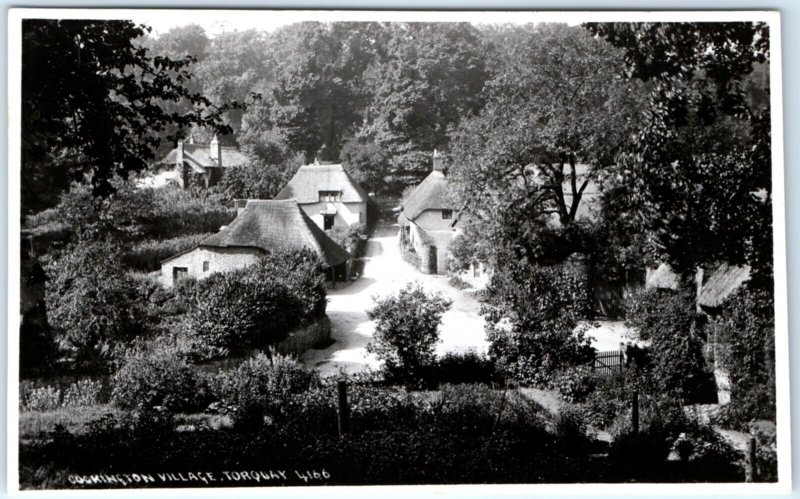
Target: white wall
(347, 214)
(432, 220)
(219, 260)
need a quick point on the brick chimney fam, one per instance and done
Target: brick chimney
(215, 151)
(437, 162)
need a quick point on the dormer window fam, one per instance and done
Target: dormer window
(330, 196)
(447, 214)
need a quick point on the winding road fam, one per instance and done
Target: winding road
(386, 272)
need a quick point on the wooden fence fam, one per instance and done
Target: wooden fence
(608, 362)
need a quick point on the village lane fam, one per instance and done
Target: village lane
(386, 272)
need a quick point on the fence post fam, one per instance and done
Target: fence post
(750, 461)
(621, 360)
(635, 412)
(344, 409)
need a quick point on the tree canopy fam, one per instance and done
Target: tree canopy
(93, 104)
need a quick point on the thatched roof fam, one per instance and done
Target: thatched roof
(271, 225)
(719, 283)
(199, 156)
(722, 283)
(433, 193)
(310, 179)
(662, 277)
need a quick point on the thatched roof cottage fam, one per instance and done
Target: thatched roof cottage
(328, 195)
(261, 227)
(201, 164)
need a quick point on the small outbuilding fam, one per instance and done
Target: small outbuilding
(328, 195)
(261, 227)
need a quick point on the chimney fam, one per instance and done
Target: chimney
(240, 205)
(179, 167)
(437, 162)
(215, 151)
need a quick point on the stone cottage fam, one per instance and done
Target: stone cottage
(328, 195)
(428, 221)
(201, 164)
(261, 227)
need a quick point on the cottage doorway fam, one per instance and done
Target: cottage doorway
(327, 222)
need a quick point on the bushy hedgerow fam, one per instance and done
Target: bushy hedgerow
(255, 180)
(150, 378)
(258, 305)
(575, 384)
(406, 332)
(745, 344)
(463, 367)
(658, 312)
(532, 316)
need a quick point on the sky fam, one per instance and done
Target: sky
(216, 22)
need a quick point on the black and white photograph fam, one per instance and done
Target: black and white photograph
(287, 248)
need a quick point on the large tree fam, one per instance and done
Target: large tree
(559, 109)
(92, 104)
(697, 178)
(431, 78)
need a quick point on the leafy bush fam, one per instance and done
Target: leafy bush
(46, 398)
(575, 384)
(93, 306)
(146, 256)
(263, 385)
(745, 338)
(258, 305)
(532, 316)
(85, 392)
(406, 332)
(148, 379)
(667, 319)
(659, 312)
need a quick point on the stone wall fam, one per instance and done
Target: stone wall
(305, 338)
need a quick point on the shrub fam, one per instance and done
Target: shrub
(532, 315)
(745, 338)
(149, 379)
(93, 306)
(406, 332)
(263, 385)
(667, 319)
(657, 312)
(575, 384)
(46, 398)
(259, 305)
(85, 392)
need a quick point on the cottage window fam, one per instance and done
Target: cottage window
(447, 214)
(205, 266)
(330, 196)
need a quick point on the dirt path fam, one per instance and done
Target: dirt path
(385, 272)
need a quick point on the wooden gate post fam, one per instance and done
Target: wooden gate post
(621, 360)
(750, 461)
(344, 409)
(635, 412)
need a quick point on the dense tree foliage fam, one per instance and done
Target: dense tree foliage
(92, 104)
(558, 110)
(93, 306)
(698, 174)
